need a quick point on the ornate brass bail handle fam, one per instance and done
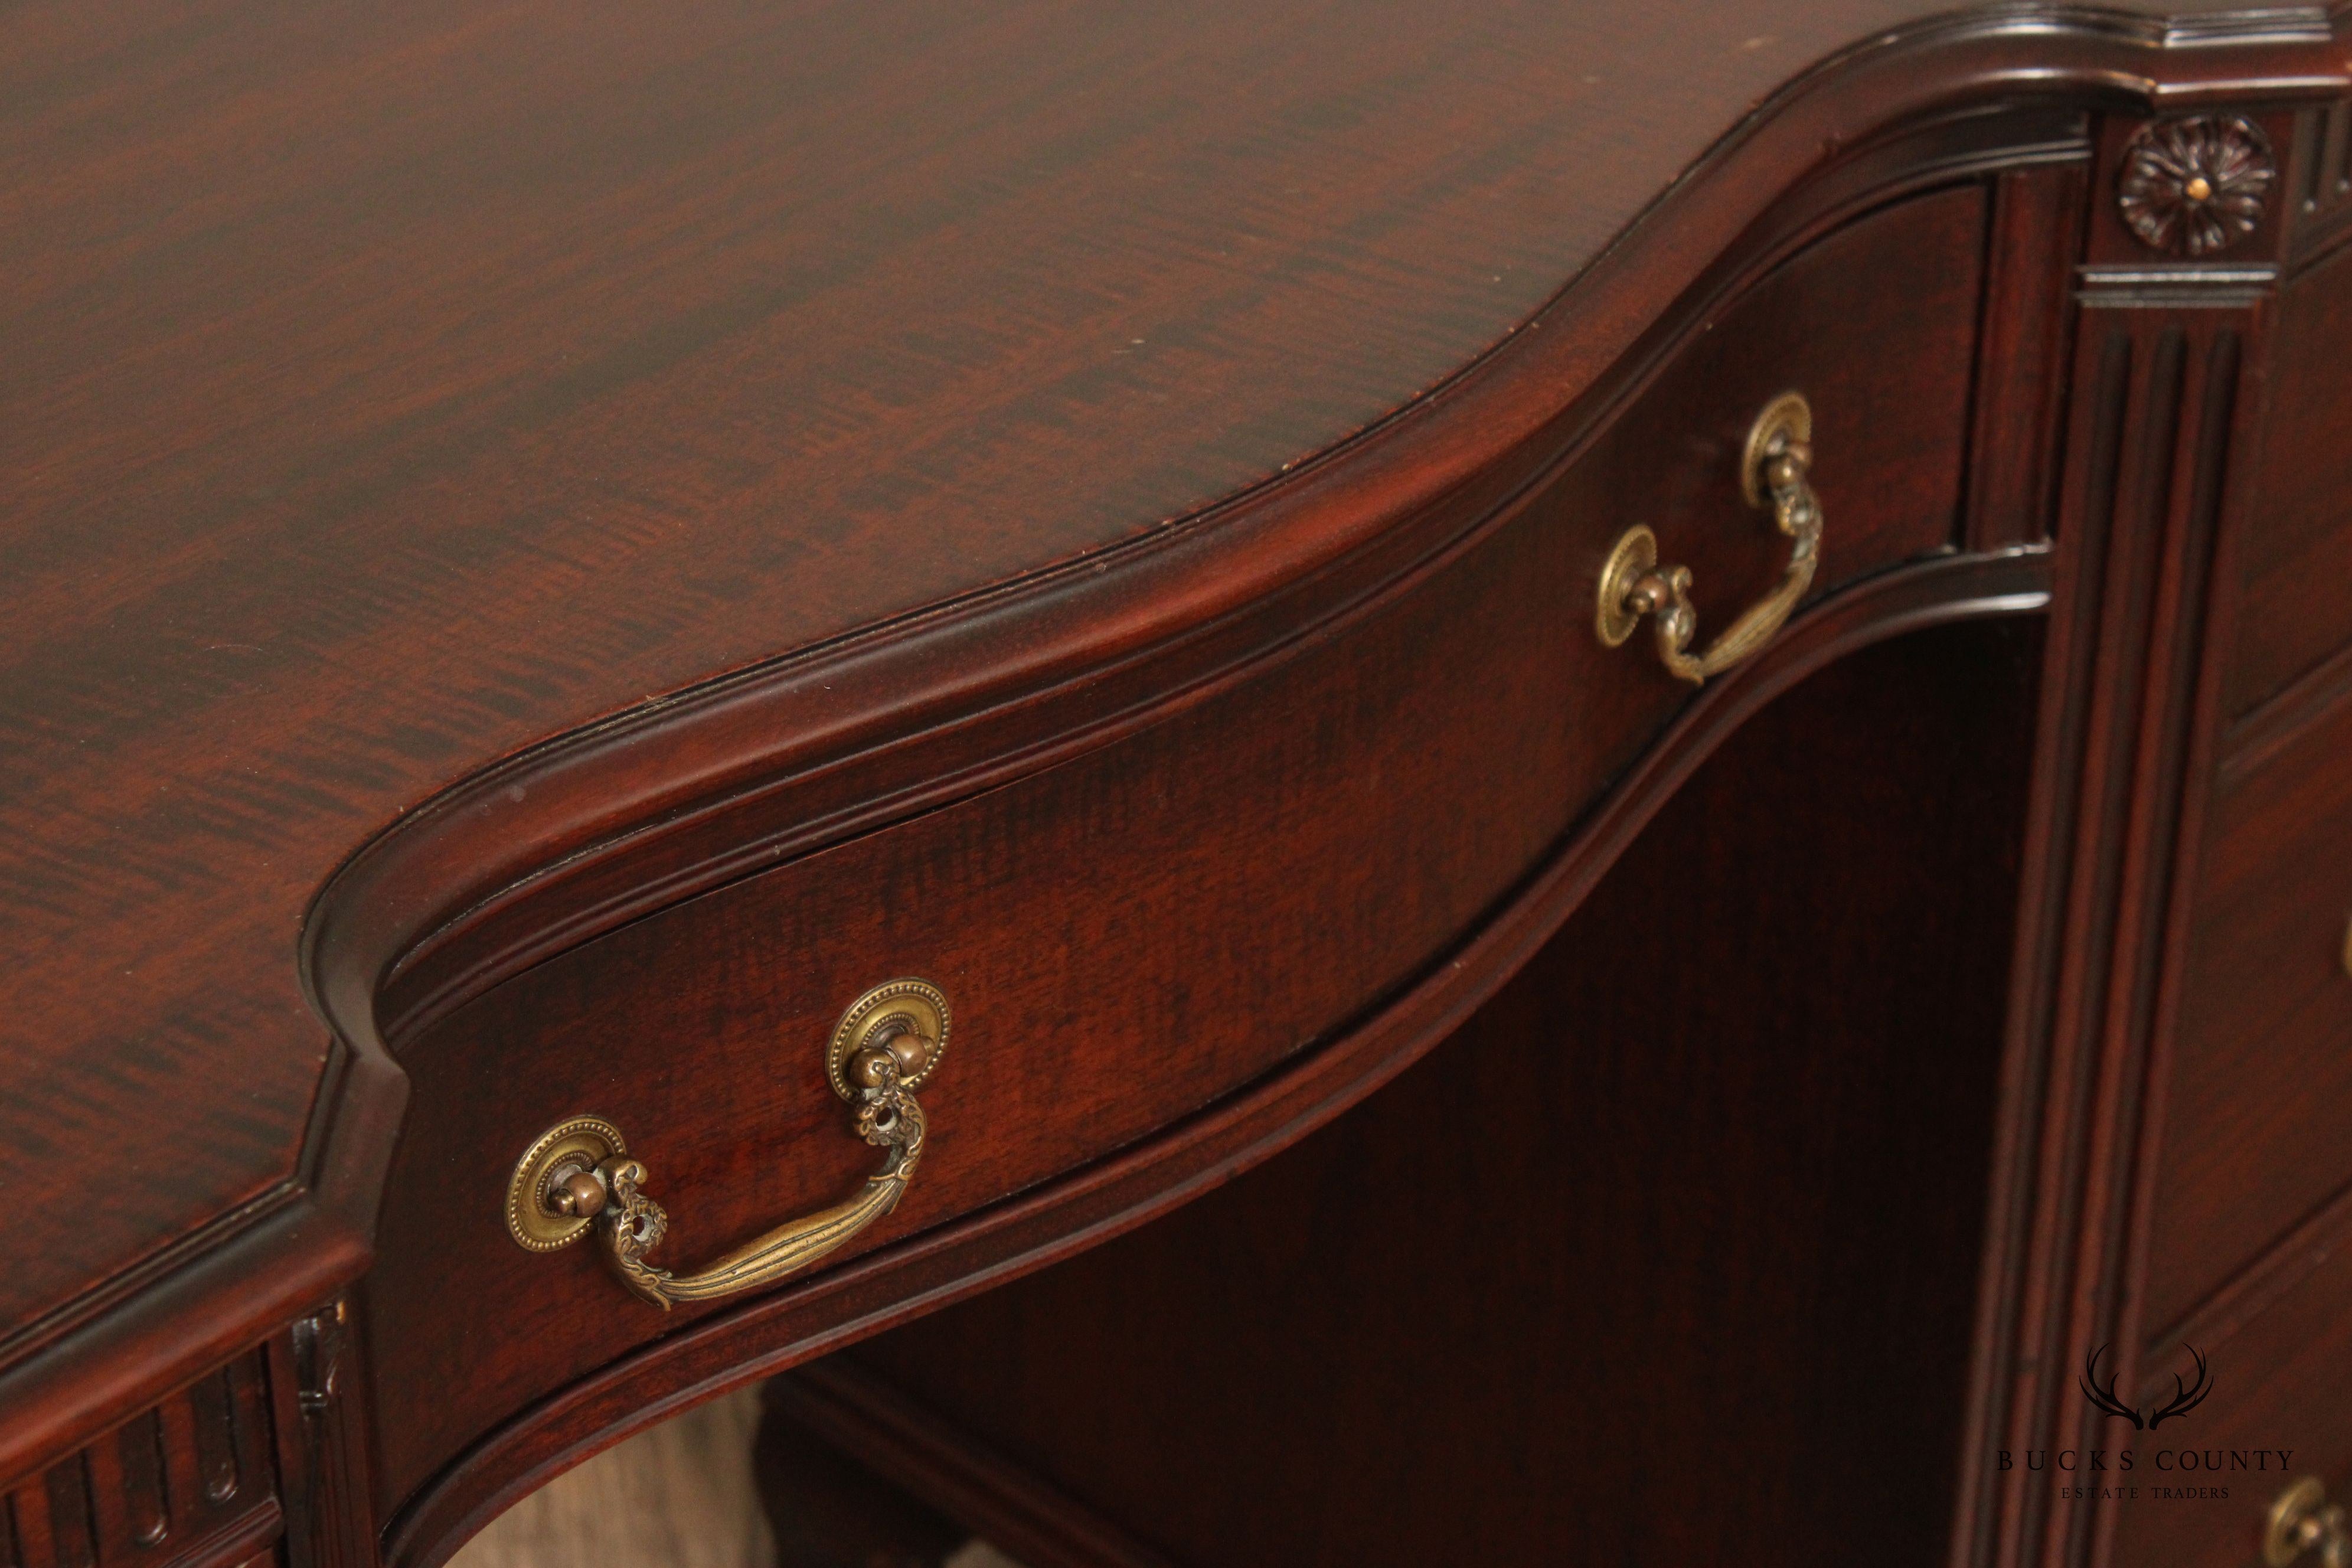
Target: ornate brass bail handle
(1773, 473)
(2304, 1526)
(578, 1175)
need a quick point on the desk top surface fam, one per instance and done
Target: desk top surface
(386, 391)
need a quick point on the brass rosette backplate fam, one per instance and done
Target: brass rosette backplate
(584, 1142)
(893, 1007)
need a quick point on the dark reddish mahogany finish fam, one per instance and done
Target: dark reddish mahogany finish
(2278, 1385)
(1141, 929)
(2298, 552)
(1657, 1247)
(384, 399)
(2262, 1071)
(869, 426)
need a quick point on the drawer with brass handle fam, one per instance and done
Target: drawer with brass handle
(651, 1126)
(578, 1175)
(1774, 469)
(2255, 1469)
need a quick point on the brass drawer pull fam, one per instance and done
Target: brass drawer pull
(1772, 473)
(2302, 1520)
(578, 1175)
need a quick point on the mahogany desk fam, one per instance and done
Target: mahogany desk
(685, 683)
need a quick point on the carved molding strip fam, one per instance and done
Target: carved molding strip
(330, 1521)
(190, 1481)
(2325, 157)
(2155, 394)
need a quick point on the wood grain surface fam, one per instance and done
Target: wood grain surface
(1150, 926)
(385, 395)
(387, 392)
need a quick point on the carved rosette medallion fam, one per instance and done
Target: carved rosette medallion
(2196, 186)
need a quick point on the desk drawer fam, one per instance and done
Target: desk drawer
(2275, 1411)
(1130, 935)
(2259, 1130)
(2295, 566)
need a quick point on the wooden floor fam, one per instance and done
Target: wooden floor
(680, 1495)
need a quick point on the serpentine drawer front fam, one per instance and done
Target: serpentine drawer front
(1118, 939)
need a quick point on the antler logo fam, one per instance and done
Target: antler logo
(2186, 1397)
